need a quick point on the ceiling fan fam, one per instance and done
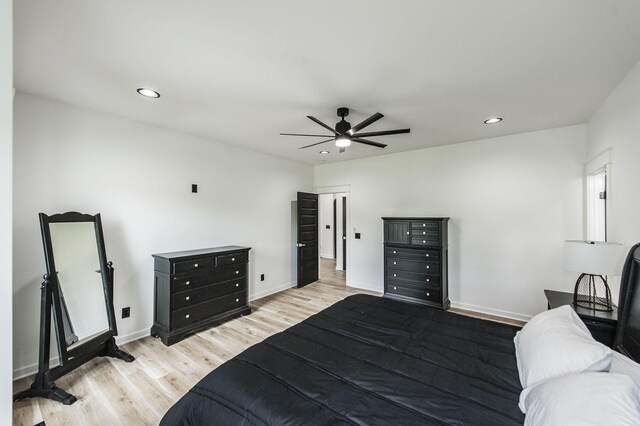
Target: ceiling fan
(344, 134)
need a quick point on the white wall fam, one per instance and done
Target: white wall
(139, 177)
(616, 125)
(6, 178)
(325, 210)
(512, 201)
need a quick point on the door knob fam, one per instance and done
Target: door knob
(301, 245)
(344, 237)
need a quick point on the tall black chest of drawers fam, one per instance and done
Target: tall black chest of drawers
(415, 260)
(197, 289)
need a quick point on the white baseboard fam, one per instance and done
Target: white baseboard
(269, 292)
(364, 287)
(121, 340)
(490, 311)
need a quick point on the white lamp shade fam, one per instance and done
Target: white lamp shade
(593, 257)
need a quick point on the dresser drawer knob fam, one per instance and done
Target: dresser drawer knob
(237, 272)
(427, 279)
(428, 294)
(237, 284)
(424, 242)
(394, 252)
(186, 316)
(427, 254)
(424, 224)
(195, 265)
(395, 288)
(187, 298)
(394, 275)
(237, 300)
(407, 232)
(187, 283)
(427, 266)
(394, 263)
(233, 259)
(424, 233)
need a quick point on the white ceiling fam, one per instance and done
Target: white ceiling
(240, 71)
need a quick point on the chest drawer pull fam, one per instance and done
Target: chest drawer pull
(424, 233)
(427, 254)
(233, 259)
(237, 284)
(195, 265)
(395, 288)
(424, 224)
(187, 283)
(394, 263)
(237, 272)
(237, 300)
(187, 298)
(394, 252)
(186, 316)
(394, 275)
(424, 242)
(427, 266)
(407, 232)
(428, 294)
(427, 279)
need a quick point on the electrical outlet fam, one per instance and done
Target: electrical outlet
(261, 277)
(194, 188)
(126, 312)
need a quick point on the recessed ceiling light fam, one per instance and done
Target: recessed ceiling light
(324, 152)
(493, 120)
(148, 93)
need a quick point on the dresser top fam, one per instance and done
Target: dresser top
(198, 252)
(415, 218)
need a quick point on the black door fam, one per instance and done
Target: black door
(344, 233)
(307, 238)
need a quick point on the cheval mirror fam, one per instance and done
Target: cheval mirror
(77, 295)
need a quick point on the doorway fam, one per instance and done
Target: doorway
(333, 238)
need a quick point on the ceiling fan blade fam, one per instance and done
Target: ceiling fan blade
(382, 133)
(375, 117)
(317, 143)
(300, 134)
(366, 142)
(343, 149)
(331, 129)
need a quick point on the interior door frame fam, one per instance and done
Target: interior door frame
(341, 189)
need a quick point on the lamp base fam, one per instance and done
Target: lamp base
(592, 292)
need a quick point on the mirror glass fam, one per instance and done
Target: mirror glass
(77, 260)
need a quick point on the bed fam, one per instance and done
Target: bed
(368, 360)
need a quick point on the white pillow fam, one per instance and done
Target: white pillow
(582, 399)
(554, 343)
(620, 364)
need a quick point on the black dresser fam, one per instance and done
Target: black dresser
(197, 289)
(415, 260)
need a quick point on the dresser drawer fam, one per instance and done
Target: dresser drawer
(414, 292)
(414, 277)
(231, 259)
(425, 241)
(202, 294)
(414, 265)
(427, 225)
(193, 265)
(217, 275)
(205, 310)
(393, 252)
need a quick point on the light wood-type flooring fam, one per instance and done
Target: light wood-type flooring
(111, 392)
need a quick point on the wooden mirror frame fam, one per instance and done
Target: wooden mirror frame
(104, 344)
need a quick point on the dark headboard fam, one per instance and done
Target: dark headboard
(627, 339)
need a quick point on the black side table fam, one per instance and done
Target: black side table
(602, 325)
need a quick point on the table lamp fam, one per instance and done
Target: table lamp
(594, 260)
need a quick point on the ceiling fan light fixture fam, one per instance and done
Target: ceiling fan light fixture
(343, 141)
(493, 120)
(148, 93)
(324, 152)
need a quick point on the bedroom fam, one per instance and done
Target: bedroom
(513, 191)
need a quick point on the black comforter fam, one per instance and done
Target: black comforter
(368, 361)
